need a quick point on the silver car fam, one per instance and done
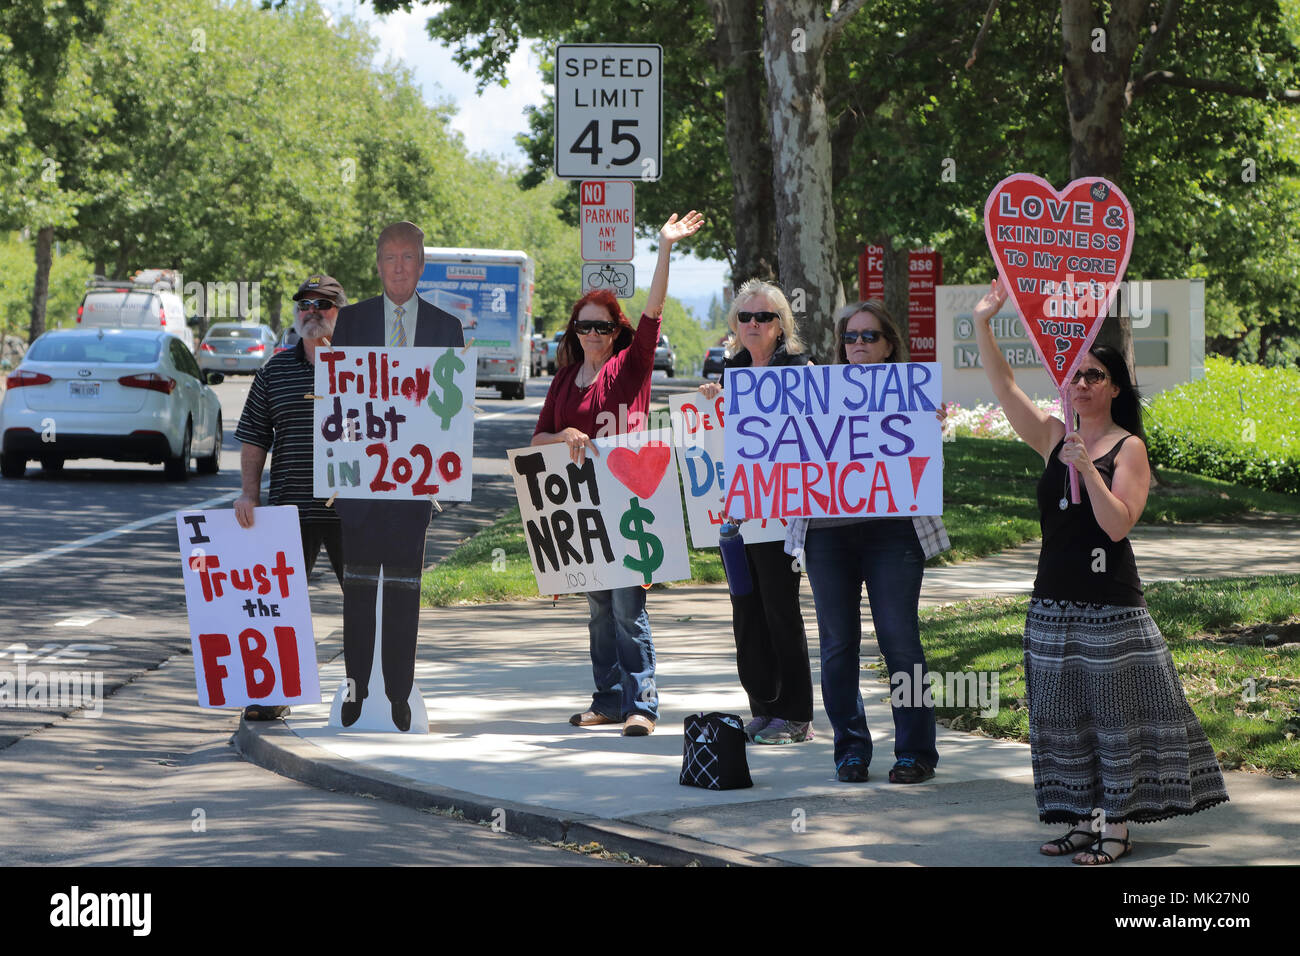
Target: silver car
(121, 394)
(229, 347)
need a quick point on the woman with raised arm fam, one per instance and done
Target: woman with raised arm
(602, 386)
(1112, 738)
(771, 644)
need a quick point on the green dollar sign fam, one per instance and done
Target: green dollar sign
(452, 400)
(652, 552)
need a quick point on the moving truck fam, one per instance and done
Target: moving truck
(491, 292)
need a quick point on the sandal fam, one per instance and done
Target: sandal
(1100, 856)
(1067, 844)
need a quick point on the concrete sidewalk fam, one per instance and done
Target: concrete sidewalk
(500, 682)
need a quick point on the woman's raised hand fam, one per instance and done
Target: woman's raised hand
(992, 302)
(676, 229)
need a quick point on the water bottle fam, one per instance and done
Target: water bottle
(732, 546)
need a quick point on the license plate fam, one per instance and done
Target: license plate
(83, 389)
(231, 363)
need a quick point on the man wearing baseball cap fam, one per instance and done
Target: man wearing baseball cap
(277, 418)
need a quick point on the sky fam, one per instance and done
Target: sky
(490, 121)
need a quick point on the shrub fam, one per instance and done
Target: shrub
(1237, 424)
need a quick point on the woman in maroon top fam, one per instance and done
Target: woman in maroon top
(602, 387)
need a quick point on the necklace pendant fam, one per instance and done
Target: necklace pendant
(1064, 503)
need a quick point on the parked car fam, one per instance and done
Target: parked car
(553, 351)
(149, 300)
(665, 357)
(714, 360)
(288, 339)
(229, 347)
(121, 394)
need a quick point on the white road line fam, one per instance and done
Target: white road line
(15, 563)
(517, 411)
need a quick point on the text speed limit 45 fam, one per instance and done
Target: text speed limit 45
(608, 111)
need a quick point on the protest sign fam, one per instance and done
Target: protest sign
(394, 423)
(1062, 256)
(611, 522)
(697, 438)
(833, 440)
(250, 618)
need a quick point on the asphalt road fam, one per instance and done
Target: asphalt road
(90, 580)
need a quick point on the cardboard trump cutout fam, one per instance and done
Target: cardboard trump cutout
(393, 431)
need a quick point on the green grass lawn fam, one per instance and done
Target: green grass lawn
(1247, 696)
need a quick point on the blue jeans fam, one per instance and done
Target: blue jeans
(622, 654)
(886, 555)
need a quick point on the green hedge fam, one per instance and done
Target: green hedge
(1239, 424)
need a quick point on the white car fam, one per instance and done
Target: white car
(122, 394)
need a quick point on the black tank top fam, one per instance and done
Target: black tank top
(1078, 561)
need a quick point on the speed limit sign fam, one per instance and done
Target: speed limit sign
(608, 111)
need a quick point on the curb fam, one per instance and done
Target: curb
(276, 748)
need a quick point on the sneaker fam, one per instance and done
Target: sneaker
(852, 769)
(785, 732)
(910, 770)
(755, 725)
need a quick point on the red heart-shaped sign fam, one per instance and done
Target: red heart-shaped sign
(640, 471)
(1062, 256)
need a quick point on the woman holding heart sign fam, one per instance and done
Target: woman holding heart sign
(1111, 735)
(603, 379)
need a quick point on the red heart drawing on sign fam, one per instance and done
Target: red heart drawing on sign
(641, 471)
(1062, 256)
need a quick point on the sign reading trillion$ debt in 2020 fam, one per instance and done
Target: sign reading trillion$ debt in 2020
(834, 441)
(394, 423)
(614, 521)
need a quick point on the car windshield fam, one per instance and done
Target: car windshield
(233, 332)
(111, 349)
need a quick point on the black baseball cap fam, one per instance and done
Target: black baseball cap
(320, 285)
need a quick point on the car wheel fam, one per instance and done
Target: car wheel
(670, 371)
(53, 466)
(178, 469)
(210, 465)
(13, 466)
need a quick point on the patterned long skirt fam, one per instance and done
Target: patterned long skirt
(1109, 725)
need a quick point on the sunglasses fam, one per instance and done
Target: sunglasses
(319, 305)
(867, 335)
(600, 328)
(1093, 376)
(744, 318)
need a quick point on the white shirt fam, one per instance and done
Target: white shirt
(411, 306)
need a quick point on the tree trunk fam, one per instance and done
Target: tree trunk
(41, 287)
(737, 48)
(897, 284)
(1097, 68)
(794, 43)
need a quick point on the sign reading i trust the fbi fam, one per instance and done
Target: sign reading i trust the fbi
(608, 111)
(833, 441)
(250, 618)
(394, 423)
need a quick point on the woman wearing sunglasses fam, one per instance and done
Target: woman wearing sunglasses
(1111, 735)
(888, 555)
(771, 645)
(602, 387)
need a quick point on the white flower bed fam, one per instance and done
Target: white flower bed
(987, 421)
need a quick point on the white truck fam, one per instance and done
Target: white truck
(491, 292)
